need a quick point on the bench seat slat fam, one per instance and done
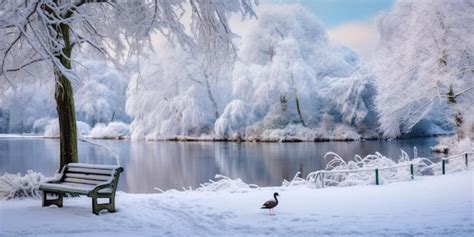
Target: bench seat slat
(93, 166)
(90, 171)
(89, 176)
(72, 187)
(83, 181)
(68, 187)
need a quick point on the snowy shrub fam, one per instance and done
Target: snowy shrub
(344, 132)
(17, 186)
(112, 130)
(292, 132)
(456, 149)
(361, 171)
(453, 145)
(40, 125)
(52, 129)
(226, 184)
(222, 184)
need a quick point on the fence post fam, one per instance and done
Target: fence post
(465, 156)
(443, 166)
(377, 177)
(322, 179)
(412, 172)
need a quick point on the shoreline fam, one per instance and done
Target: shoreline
(224, 140)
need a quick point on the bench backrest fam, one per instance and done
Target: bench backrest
(91, 174)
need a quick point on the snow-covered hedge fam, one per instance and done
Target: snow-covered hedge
(113, 130)
(17, 186)
(51, 129)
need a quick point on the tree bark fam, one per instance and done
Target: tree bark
(297, 100)
(65, 103)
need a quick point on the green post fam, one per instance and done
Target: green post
(465, 156)
(443, 166)
(412, 172)
(377, 177)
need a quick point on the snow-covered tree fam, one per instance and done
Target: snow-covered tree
(26, 104)
(100, 95)
(425, 65)
(289, 74)
(172, 96)
(45, 34)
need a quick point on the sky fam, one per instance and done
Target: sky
(350, 22)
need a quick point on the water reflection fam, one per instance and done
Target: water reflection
(179, 164)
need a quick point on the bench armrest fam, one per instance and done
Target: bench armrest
(57, 178)
(101, 186)
(111, 183)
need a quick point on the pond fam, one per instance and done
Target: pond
(168, 165)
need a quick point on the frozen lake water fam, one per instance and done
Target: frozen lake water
(169, 165)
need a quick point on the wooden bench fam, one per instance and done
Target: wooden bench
(95, 181)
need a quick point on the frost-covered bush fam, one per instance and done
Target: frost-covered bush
(114, 130)
(17, 186)
(222, 184)
(456, 150)
(361, 171)
(52, 128)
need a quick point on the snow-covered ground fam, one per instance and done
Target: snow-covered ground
(429, 206)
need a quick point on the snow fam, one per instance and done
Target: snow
(100, 96)
(453, 145)
(16, 185)
(424, 49)
(282, 72)
(428, 206)
(51, 130)
(115, 130)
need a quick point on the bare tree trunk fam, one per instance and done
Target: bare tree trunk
(65, 103)
(297, 100)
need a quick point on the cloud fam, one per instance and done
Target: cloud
(359, 36)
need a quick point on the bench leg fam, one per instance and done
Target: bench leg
(48, 202)
(96, 208)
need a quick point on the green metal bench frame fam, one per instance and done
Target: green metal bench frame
(95, 193)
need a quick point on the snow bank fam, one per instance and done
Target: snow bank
(113, 130)
(429, 206)
(17, 186)
(452, 145)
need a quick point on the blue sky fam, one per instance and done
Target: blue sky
(334, 13)
(349, 22)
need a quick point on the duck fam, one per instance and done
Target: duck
(270, 204)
